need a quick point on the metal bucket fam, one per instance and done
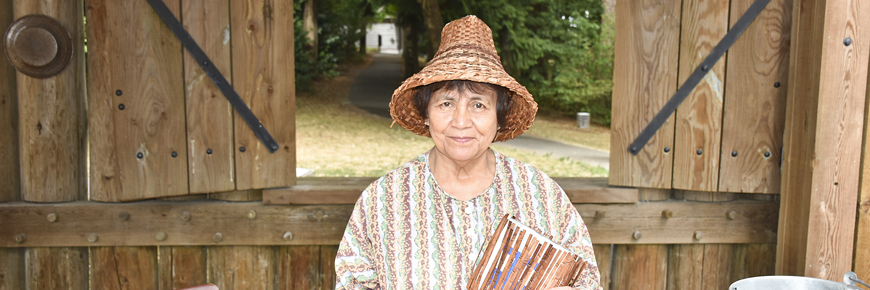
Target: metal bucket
(795, 283)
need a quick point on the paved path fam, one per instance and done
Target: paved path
(374, 86)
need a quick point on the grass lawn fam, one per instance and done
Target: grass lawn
(335, 138)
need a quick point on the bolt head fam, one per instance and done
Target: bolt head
(52, 217)
(242, 149)
(118, 92)
(174, 154)
(121, 107)
(667, 214)
(700, 151)
(636, 235)
(217, 237)
(767, 154)
(185, 216)
(847, 41)
(667, 149)
(776, 84)
(20, 238)
(288, 236)
(252, 214)
(698, 235)
(734, 153)
(160, 236)
(208, 151)
(731, 215)
(124, 215)
(93, 237)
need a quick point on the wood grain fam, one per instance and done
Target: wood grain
(753, 260)
(130, 50)
(241, 195)
(754, 106)
(51, 124)
(699, 117)
(242, 267)
(640, 267)
(209, 114)
(300, 267)
(182, 267)
(10, 169)
(327, 266)
(12, 269)
(56, 268)
(861, 261)
(823, 152)
(124, 268)
(644, 78)
(262, 50)
(603, 258)
(686, 267)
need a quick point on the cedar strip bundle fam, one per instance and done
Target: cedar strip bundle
(516, 257)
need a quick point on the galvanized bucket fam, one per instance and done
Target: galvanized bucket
(796, 283)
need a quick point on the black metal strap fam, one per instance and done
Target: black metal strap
(697, 75)
(215, 75)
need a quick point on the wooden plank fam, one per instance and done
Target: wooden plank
(242, 267)
(124, 267)
(209, 114)
(131, 52)
(753, 260)
(182, 267)
(754, 104)
(239, 195)
(327, 266)
(12, 269)
(329, 190)
(699, 117)
(300, 267)
(262, 49)
(716, 267)
(644, 78)
(861, 261)
(685, 267)
(603, 257)
(640, 266)
(830, 161)
(56, 268)
(10, 170)
(51, 112)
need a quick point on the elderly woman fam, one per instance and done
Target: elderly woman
(422, 225)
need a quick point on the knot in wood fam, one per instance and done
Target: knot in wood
(319, 215)
(599, 214)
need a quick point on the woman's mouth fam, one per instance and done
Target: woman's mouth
(462, 139)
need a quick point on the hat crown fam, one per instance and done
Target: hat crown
(468, 32)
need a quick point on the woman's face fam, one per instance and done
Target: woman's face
(463, 124)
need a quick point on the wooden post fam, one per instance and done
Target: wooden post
(704, 266)
(641, 266)
(299, 267)
(861, 263)
(12, 268)
(51, 112)
(124, 268)
(56, 268)
(182, 267)
(825, 112)
(242, 267)
(10, 172)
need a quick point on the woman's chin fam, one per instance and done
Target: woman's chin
(464, 154)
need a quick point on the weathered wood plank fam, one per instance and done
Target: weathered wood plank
(327, 266)
(134, 60)
(831, 160)
(262, 50)
(640, 266)
(124, 267)
(209, 114)
(12, 269)
(754, 104)
(299, 267)
(242, 267)
(685, 267)
(240, 195)
(603, 258)
(861, 261)
(328, 190)
(10, 169)
(56, 268)
(182, 267)
(699, 117)
(753, 260)
(717, 266)
(51, 124)
(644, 77)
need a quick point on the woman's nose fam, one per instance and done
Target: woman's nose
(461, 117)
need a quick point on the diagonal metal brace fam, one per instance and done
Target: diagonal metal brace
(697, 75)
(213, 73)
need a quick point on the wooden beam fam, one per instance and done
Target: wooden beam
(825, 112)
(861, 262)
(10, 172)
(161, 223)
(332, 190)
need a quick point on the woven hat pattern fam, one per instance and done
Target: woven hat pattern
(467, 52)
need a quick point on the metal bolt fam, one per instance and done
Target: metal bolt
(705, 68)
(636, 235)
(776, 84)
(766, 154)
(633, 149)
(205, 63)
(160, 236)
(734, 153)
(700, 152)
(667, 149)
(185, 216)
(174, 154)
(208, 151)
(93, 237)
(252, 214)
(217, 237)
(667, 214)
(124, 215)
(52, 217)
(121, 107)
(242, 149)
(698, 235)
(731, 214)
(119, 92)
(288, 236)
(274, 146)
(20, 238)
(847, 41)
(599, 214)
(140, 155)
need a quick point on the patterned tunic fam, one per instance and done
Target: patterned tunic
(407, 233)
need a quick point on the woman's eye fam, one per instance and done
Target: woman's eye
(478, 106)
(446, 104)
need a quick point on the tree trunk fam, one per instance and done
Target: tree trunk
(410, 49)
(434, 23)
(362, 40)
(309, 23)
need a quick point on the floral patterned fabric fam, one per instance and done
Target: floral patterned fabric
(407, 233)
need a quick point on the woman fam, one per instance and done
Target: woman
(422, 225)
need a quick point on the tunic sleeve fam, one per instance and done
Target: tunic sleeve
(576, 238)
(355, 266)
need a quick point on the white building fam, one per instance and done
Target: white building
(384, 35)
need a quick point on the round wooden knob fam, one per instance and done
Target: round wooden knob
(38, 46)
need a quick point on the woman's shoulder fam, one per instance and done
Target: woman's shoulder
(411, 170)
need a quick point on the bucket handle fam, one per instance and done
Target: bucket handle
(850, 278)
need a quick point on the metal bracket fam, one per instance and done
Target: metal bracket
(696, 76)
(215, 75)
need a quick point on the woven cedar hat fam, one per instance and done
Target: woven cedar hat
(467, 52)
